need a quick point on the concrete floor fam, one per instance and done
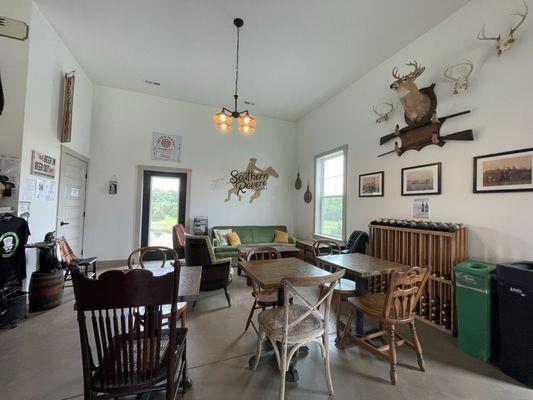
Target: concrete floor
(40, 360)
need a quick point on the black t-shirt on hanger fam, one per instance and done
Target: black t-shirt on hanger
(14, 232)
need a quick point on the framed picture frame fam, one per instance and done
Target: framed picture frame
(372, 184)
(422, 180)
(509, 171)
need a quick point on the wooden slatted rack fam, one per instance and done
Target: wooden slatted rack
(417, 247)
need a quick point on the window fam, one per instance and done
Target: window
(330, 174)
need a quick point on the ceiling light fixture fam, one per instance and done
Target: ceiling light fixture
(223, 119)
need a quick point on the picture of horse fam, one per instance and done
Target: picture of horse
(252, 178)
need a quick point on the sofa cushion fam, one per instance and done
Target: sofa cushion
(281, 237)
(233, 239)
(221, 235)
(265, 234)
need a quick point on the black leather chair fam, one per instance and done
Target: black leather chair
(356, 243)
(215, 273)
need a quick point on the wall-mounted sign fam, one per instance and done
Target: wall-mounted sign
(68, 100)
(13, 28)
(251, 179)
(421, 208)
(113, 185)
(166, 147)
(43, 165)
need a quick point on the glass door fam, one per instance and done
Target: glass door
(163, 206)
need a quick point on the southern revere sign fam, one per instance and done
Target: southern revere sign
(252, 179)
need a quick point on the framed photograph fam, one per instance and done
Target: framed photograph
(371, 185)
(509, 171)
(421, 180)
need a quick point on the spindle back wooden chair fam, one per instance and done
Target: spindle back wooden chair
(262, 298)
(345, 287)
(130, 358)
(137, 259)
(395, 307)
(298, 324)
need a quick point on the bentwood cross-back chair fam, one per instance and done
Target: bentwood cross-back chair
(130, 358)
(395, 307)
(137, 260)
(296, 325)
(262, 298)
(345, 288)
(69, 260)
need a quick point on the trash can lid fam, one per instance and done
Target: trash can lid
(478, 268)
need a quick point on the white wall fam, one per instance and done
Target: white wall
(48, 61)
(13, 68)
(123, 123)
(501, 225)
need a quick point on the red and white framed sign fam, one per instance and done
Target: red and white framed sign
(166, 147)
(68, 100)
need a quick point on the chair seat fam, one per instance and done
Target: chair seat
(373, 305)
(266, 296)
(271, 321)
(100, 381)
(85, 261)
(345, 286)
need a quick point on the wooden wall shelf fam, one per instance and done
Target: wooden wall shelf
(417, 247)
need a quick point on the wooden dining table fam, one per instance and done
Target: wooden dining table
(360, 267)
(268, 275)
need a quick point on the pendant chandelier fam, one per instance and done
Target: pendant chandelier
(225, 117)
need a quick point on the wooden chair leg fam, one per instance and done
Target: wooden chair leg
(260, 339)
(347, 328)
(338, 302)
(392, 354)
(327, 366)
(183, 319)
(227, 296)
(417, 346)
(283, 370)
(250, 316)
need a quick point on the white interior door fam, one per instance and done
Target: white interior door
(71, 207)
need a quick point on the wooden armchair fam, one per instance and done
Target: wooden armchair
(215, 272)
(395, 307)
(130, 358)
(345, 288)
(298, 324)
(137, 259)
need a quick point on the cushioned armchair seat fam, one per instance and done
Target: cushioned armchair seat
(249, 235)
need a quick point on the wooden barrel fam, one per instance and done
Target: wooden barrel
(46, 290)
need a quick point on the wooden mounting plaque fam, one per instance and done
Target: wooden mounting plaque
(13, 28)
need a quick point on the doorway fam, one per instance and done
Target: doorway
(164, 196)
(71, 202)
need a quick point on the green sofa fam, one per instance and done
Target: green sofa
(250, 235)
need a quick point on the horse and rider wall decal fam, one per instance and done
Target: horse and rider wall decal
(252, 178)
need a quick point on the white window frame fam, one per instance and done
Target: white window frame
(317, 220)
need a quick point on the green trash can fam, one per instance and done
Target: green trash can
(474, 296)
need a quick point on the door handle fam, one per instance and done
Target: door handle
(63, 223)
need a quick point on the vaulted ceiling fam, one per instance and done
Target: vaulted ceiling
(295, 54)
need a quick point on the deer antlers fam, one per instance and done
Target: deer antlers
(460, 82)
(507, 42)
(384, 115)
(417, 71)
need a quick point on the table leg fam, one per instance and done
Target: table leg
(361, 288)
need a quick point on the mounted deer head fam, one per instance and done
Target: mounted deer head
(503, 44)
(384, 115)
(459, 75)
(416, 105)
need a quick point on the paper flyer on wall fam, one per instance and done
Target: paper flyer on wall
(166, 147)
